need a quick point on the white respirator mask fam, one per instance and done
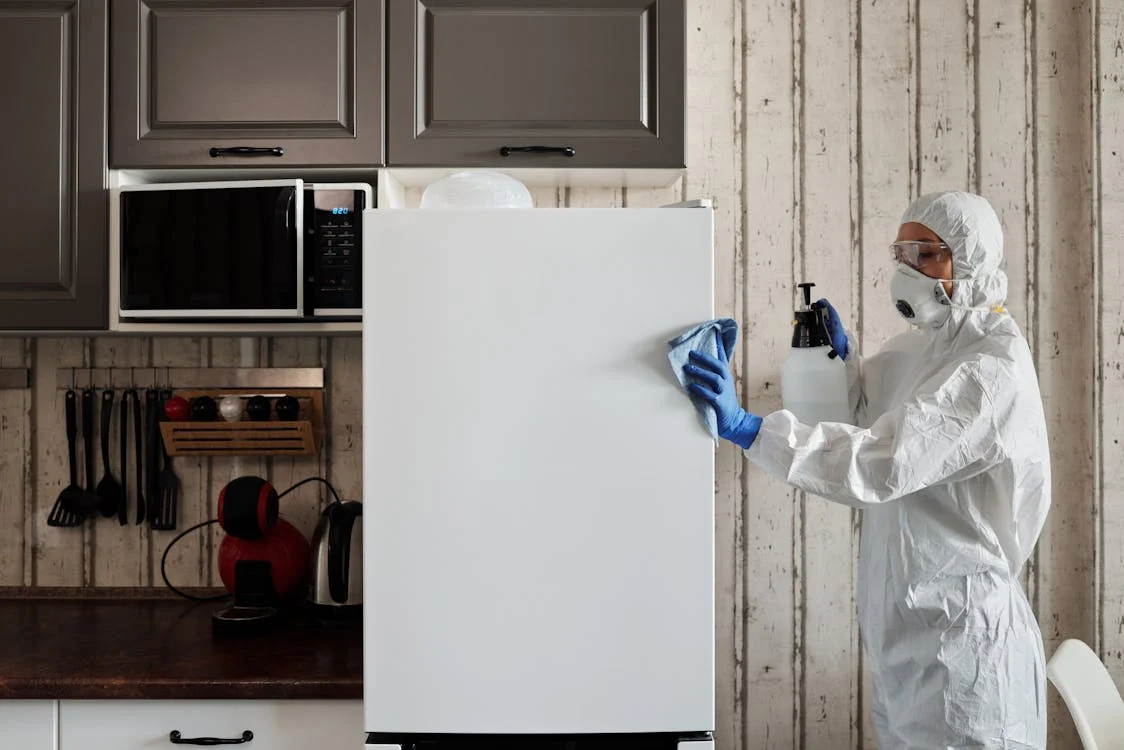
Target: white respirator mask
(920, 299)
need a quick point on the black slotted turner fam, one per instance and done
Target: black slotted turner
(123, 508)
(138, 440)
(168, 484)
(151, 454)
(61, 514)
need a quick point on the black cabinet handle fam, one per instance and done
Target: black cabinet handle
(564, 150)
(178, 739)
(248, 151)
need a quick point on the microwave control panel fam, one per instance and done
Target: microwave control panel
(334, 230)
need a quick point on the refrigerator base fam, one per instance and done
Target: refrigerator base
(647, 741)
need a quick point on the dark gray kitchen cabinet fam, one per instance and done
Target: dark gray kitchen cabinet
(53, 247)
(210, 83)
(536, 83)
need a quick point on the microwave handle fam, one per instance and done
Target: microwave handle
(296, 212)
(247, 151)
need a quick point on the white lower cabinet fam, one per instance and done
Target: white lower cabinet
(149, 724)
(28, 725)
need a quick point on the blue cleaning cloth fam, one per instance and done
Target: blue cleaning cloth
(704, 337)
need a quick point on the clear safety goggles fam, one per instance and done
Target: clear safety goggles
(918, 254)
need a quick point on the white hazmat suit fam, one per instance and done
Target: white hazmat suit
(950, 462)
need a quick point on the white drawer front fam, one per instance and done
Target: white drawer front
(28, 725)
(146, 725)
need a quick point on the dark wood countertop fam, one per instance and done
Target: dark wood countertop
(59, 646)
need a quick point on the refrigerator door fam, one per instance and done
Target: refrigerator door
(539, 519)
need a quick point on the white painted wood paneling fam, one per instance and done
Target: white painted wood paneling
(768, 233)
(15, 446)
(826, 142)
(945, 62)
(1110, 319)
(1004, 151)
(344, 441)
(1065, 314)
(887, 163)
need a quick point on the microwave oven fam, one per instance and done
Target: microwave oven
(240, 250)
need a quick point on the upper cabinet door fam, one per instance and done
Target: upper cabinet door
(53, 246)
(536, 83)
(246, 82)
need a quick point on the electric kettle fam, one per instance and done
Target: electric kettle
(335, 573)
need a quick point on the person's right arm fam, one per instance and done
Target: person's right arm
(711, 380)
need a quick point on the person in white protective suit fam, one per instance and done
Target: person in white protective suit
(948, 458)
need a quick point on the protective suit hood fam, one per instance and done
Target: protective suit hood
(967, 223)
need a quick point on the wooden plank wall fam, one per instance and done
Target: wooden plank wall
(841, 113)
(811, 123)
(33, 460)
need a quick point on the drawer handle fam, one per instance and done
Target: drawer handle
(178, 739)
(564, 150)
(248, 151)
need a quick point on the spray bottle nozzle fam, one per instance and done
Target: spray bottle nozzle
(807, 287)
(810, 330)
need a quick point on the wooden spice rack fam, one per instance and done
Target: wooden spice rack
(301, 437)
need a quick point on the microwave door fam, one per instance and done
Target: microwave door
(212, 250)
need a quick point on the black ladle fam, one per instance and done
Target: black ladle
(109, 489)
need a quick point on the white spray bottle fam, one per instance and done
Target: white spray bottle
(813, 379)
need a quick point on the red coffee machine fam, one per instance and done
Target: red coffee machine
(263, 559)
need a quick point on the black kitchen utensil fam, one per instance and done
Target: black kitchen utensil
(165, 518)
(108, 490)
(123, 507)
(138, 441)
(60, 514)
(90, 501)
(152, 451)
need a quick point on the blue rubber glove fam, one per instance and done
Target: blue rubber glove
(716, 386)
(834, 327)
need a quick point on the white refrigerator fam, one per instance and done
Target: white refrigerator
(539, 492)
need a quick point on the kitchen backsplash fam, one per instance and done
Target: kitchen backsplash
(101, 552)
